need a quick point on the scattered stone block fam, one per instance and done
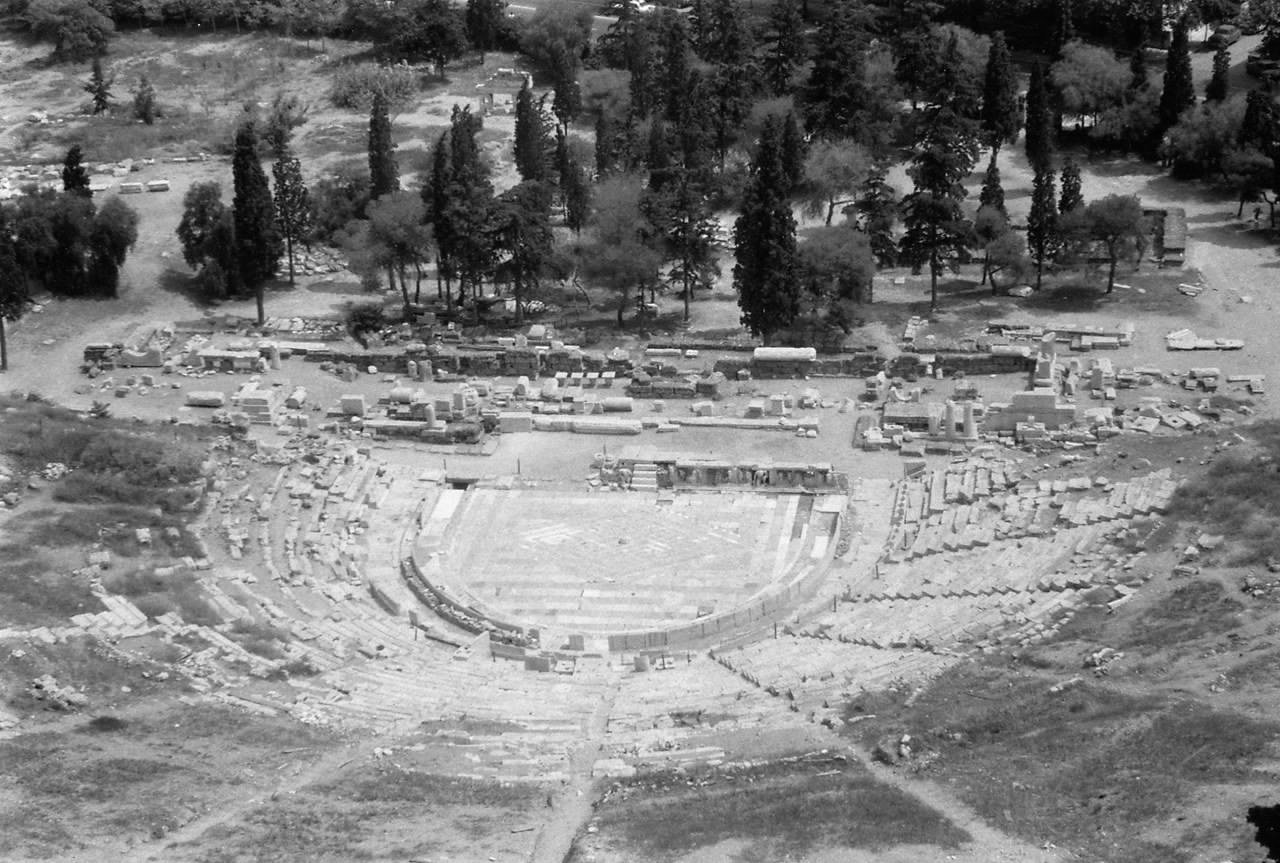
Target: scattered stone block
(206, 399)
(352, 405)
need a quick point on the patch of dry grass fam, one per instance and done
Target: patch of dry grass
(1091, 769)
(784, 810)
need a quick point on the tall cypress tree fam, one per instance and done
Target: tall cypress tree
(1216, 89)
(435, 198)
(1039, 137)
(999, 96)
(606, 144)
(992, 194)
(1042, 221)
(1139, 77)
(384, 174)
(532, 136)
(576, 188)
(1179, 92)
(470, 204)
(1257, 129)
(792, 151)
(764, 236)
(659, 159)
(1072, 192)
(75, 178)
(258, 244)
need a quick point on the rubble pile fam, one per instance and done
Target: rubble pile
(55, 696)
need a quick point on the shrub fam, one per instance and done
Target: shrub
(354, 86)
(264, 639)
(365, 318)
(100, 724)
(336, 201)
(156, 595)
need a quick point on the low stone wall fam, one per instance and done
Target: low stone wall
(458, 613)
(771, 608)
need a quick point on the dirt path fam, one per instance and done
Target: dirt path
(573, 805)
(302, 775)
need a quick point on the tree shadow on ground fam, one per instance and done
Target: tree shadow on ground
(1232, 237)
(184, 285)
(349, 287)
(1116, 166)
(1205, 218)
(1069, 298)
(1167, 188)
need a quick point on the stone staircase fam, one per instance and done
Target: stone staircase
(644, 477)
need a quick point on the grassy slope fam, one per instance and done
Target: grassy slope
(1134, 765)
(784, 810)
(373, 812)
(131, 776)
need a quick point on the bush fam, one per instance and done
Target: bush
(156, 595)
(100, 724)
(337, 201)
(365, 318)
(263, 639)
(354, 86)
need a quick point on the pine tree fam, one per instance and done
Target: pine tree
(792, 152)
(1216, 89)
(728, 40)
(1072, 194)
(1042, 221)
(992, 194)
(642, 62)
(835, 91)
(915, 46)
(1139, 77)
(1179, 92)
(485, 20)
(877, 209)
(606, 141)
(999, 96)
(764, 236)
(1064, 28)
(784, 45)
(696, 134)
(674, 68)
(293, 205)
(532, 136)
(937, 232)
(384, 174)
(75, 178)
(1039, 137)
(258, 243)
(687, 227)
(99, 87)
